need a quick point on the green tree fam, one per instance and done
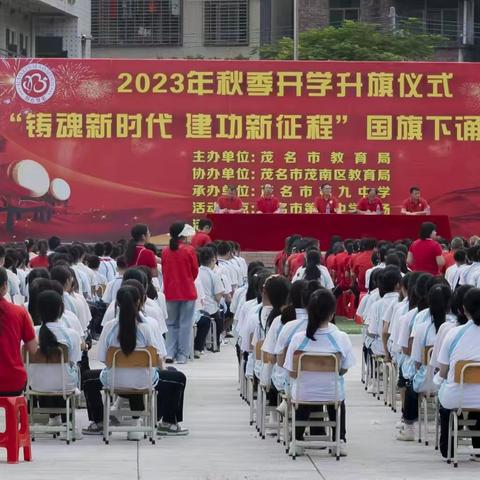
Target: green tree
(358, 41)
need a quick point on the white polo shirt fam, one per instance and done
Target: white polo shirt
(325, 277)
(320, 386)
(113, 287)
(212, 285)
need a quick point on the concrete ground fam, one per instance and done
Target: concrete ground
(222, 446)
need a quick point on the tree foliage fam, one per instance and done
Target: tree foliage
(360, 42)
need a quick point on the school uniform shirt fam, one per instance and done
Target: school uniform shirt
(200, 239)
(320, 386)
(461, 343)
(134, 378)
(227, 269)
(445, 327)
(113, 287)
(180, 269)
(364, 205)
(229, 203)
(413, 206)
(48, 378)
(107, 268)
(162, 303)
(362, 304)
(22, 275)
(370, 299)
(238, 298)
(143, 257)
(268, 204)
(83, 310)
(258, 335)
(399, 310)
(249, 325)
(269, 347)
(325, 277)
(470, 275)
(290, 330)
(425, 336)
(226, 279)
(70, 320)
(13, 284)
(424, 254)
(377, 317)
(82, 280)
(212, 285)
(368, 273)
(243, 266)
(326, 205)
(451, 274)
(16, 327)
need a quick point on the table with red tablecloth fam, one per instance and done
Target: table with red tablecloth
(267, 232)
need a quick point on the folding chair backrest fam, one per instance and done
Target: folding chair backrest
(141, 358)
(470, 369)
(58, 357)
(427, 355)
(258, 350)
(316, 362)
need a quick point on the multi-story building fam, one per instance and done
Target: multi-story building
(175, 28)
(457, 20)
(45, 28)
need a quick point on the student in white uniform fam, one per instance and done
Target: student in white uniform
(129, 331)
(314, 270)
(461, 343)
(99, 281)
(107, 265)
(114, 285)
(320, 337)
(454, 272)
(52, 333)
(471, 274)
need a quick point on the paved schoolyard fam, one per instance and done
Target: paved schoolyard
(222, 446)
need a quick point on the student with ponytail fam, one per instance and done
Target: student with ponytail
(320, 336)
(314, 270)
(136, 253)
(15, 327)
(461, 343)
(180, 269)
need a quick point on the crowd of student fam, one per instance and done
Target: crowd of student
(128, 295)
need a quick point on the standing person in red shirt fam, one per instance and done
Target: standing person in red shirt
(268, 203)
(362, 262)
(136, 254)
(41, 260)
(180, 269)
(16, 326)
(371, 204)
(326, 202)
(229, 203)
(415, 205)
(202, 237)
(425, 254)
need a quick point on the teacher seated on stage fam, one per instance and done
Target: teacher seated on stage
(326, 202)
(415, 204)
(268, 203)
(371, 204)
(229, 203)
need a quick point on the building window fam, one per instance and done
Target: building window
(341, 10)
(225, 22)
(443, 21)
(137, 22)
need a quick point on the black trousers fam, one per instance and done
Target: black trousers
(170, 388)
(444, 418)
(410, 408)
(52, 402)
(304, 411)
(203, 327)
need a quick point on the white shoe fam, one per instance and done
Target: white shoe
(282, 408)
(55, 421)
(400, 425)
(299, 450)
(343, 449)
(407, 434)
(370, 388)
(136, 436)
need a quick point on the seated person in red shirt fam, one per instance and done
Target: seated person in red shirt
(326, 202)
(363, 261)
(16, 327)
(202, 237)
(415, 205)
(371, 204)
(425, 254)
(268, 203)
(229, 203)
(41, 260)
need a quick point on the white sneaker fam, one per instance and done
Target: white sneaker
(343, 449)
(400, 425)
(299, 450)
(407, 434)
(55, 421)
(136, 436)
(282, 408)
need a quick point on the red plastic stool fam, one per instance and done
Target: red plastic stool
(14, 437)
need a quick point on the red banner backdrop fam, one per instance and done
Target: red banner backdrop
(90, 147)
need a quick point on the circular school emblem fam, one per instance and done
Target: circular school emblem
(35, 83)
